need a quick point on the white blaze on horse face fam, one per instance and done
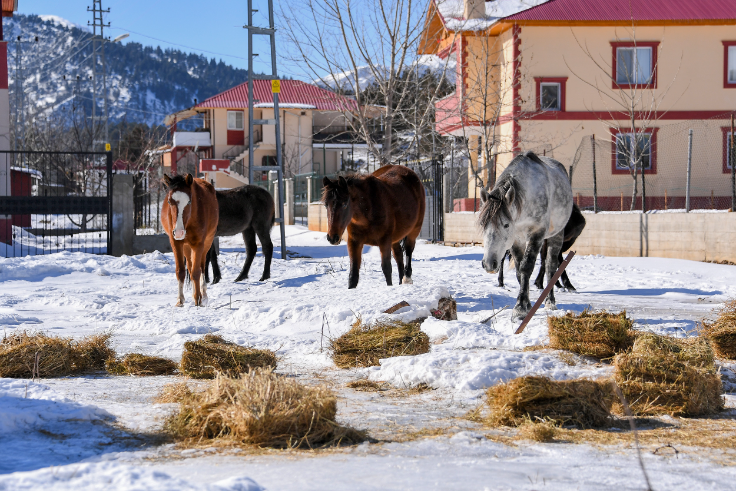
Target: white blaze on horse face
(182, 201)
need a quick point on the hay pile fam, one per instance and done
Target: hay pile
(138, 364)
(598, 334)
(722, 332)
(363, 345)
(582, 402)
(57, 357)
(260, 408)
(672, 376)
(205, 357)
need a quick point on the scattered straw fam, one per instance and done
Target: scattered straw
(263, 409)
(365, 385)
(364, 345)
(672, 376)
(598, 334)
(173, 393)
(722, 332)
(57, 356)
(204, 357)
(582, 402)
(538, 430)
(138, 364)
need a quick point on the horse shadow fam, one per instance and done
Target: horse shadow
(653, 292)
(461, 257)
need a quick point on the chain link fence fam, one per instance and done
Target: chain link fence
(680, 166)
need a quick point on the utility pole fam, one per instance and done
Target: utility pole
(99, 67)
(269, 31)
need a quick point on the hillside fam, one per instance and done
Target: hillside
(145, 83)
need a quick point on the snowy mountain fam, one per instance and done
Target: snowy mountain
(145, 83)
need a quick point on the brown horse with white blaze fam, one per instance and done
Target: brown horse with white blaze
(383, 209)
(189, 216)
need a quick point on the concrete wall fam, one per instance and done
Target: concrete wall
(123, 215)
(317, 219)
(694, 236)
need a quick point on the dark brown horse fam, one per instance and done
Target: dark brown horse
(383, 209)
(189, 216)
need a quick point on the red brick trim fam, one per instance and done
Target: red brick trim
(653, 167)
(638, 44)
(725, 130)
(727, 85)
(563, 91)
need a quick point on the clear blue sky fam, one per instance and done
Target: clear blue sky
(210, 27)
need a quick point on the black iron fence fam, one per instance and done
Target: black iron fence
(431, 172)
(55, 201)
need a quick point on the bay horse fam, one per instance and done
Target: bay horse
(383, 209)
(531, 202)
(189, 216)
(250, 211)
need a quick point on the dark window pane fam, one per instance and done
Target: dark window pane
(623, 153)
(550, 96)
(625, 65)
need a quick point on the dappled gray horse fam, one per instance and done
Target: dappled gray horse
(531, 202)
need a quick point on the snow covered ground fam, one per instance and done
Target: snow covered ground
(93, 432)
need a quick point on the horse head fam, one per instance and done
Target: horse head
(179, 197)
(497, 223)
(336, 196)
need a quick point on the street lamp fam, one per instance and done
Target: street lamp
(120, 38)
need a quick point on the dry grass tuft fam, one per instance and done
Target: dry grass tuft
(598, 334)
(364, 345)
(365, 385)
(138, 364)
(582, 402)
(672, 376)
(262, 409)
(722, 332)
(205, 357)
(57, 356)
(173, 393)
(538, 430)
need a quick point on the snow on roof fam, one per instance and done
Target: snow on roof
(451, 12)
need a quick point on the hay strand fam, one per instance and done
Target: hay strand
(597, 334)
(142, 365)
(582, 402)
(722, 332)
(205, 357)
(364, 345)
(263, 409)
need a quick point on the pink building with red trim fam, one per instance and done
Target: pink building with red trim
(536, 75)
(6, 174)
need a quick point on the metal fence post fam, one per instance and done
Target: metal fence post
(689, 169)
(595, 181)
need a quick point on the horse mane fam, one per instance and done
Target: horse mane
(177, 181)
(496, 208)
(350, 178)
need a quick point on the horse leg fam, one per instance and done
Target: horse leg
(264, 235)
(524, 270)
(203, 282)
(355, 251)
(500, 269)
(181, 269)
(539, 282)
(216, 273)
(386, 262)
(399, 257)
(249, 237)
(207, 261)
(517, 253)
(553, 255)
(196, 258)
(409, 244)
(565, 279)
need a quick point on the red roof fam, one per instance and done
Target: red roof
(292, 92)
(625, 10)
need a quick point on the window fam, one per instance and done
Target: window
(635, 64)
(634, 149)
(549, 95)
(729, 152)
(732, 64)
(729, 64)
(235, 120)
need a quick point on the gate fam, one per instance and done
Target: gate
(430, 172)
(55, 201)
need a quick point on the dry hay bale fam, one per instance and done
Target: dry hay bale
(582, 402)
(722, 332)
(139, 364)
(261, 408)
(57, 356)
(672, 376)
(363, 345)
(598, 334)
(205, 357)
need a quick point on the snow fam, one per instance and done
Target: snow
(452, 12)
(60, 21)
(91, 432)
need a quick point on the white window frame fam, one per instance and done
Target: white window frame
(559, 96)
(731, 64)
(649, 134)
(634, 79)
(242, 121)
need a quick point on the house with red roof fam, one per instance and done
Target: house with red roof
(556, 71)
(316, 134)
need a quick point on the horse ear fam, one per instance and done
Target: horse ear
(343, 183)
(326, 182)
(484, 196)
(510, 195)
(166, 180)
(189, 179)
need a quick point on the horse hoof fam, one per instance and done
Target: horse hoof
(518, 314)
(550, 306)
(240, 278)
(216, 281)
(179, 304)
(407, 281)
(264, 277)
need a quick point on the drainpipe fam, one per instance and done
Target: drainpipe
(324, 159)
